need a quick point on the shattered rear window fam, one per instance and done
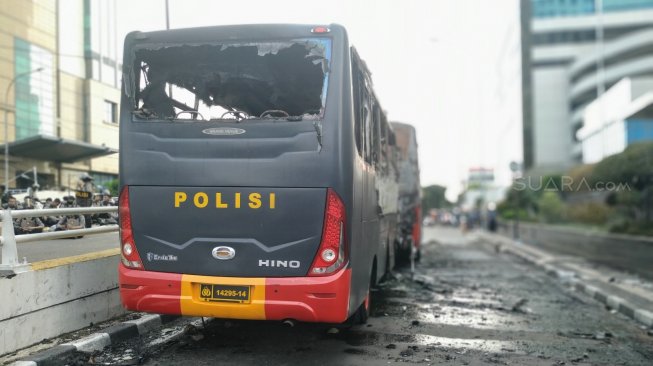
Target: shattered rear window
(278, 79)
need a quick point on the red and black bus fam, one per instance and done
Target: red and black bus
(410, 197)
(252, 174)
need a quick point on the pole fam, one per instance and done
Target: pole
(7, 121)
(6, 146)
(9, 250)
(168, 27)
(600, 73)
(167, 15)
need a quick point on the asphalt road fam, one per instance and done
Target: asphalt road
(60, 248)
(465, 305)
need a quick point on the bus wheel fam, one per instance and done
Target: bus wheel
(362, 314)
(403, 254)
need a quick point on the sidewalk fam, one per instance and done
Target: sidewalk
(620, 292)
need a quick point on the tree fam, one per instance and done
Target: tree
(113, 186)
(629, 175)
(520, 201)
(551, 207)
(433, 197)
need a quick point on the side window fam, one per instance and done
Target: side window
(367, 125)
(367, 122)
(365, 113)
(358, 110)
(384, 144)
(376, 136)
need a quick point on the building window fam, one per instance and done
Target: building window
(34, 90)
(110, 112)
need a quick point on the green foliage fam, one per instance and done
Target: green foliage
(550, 183)
(521, 200)
(624, 180)
(508, 213)
(434, 197)
(634, 166)
(113, 187)
(551, 208)
(631, 174)
(593, 213)
(578, 175)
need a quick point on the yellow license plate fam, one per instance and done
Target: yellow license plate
(226, 293)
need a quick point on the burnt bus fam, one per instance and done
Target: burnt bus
(407, 246)
(252, 175)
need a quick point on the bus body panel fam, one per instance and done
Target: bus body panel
(310, 299)
(296, 160)
(273, 231)
(410, 200)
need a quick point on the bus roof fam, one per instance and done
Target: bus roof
(232, 32)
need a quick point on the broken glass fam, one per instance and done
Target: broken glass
(273, 79)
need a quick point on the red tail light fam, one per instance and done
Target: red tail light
(128, 253)
(330, 255)
(320, 29)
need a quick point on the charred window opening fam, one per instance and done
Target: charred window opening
(248, 80)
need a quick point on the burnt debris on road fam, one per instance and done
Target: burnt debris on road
(466, 304)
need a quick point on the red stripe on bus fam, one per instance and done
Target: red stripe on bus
(153, 292)
(309, 299)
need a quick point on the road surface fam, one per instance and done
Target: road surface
(60, 248)
(465, 305)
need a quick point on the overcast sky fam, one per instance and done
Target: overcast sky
(449, 67)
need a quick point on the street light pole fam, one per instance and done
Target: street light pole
(168, 27)
(7, 121)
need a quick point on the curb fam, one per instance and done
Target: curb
(97, 341)
(530, 255)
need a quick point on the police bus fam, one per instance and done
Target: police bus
(407, 246)
(255, 164)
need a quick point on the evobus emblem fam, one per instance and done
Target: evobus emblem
(223, 253)
(223, 131)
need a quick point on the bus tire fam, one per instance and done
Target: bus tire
(362, 314)
(402, 257)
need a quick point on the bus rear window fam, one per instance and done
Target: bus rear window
(232, 80)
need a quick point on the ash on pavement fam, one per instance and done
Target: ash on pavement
(465, 305)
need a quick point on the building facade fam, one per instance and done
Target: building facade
(579, 49)
(61, 79)
(623, 115)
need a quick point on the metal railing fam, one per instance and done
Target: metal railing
(11, 264)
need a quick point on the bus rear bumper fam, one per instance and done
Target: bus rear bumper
(308, 299)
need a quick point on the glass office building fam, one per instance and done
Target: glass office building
(566, 8)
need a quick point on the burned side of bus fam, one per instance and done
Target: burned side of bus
(410, 198)
(242, 193)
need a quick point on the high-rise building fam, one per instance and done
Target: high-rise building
(579, 49)
(60, 83)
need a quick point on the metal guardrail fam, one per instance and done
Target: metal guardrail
(10, 263)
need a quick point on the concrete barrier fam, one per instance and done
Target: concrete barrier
(628, 253)
(58, 296)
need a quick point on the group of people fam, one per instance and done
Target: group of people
(39, 224)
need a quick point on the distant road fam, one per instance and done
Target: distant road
(60, 248)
